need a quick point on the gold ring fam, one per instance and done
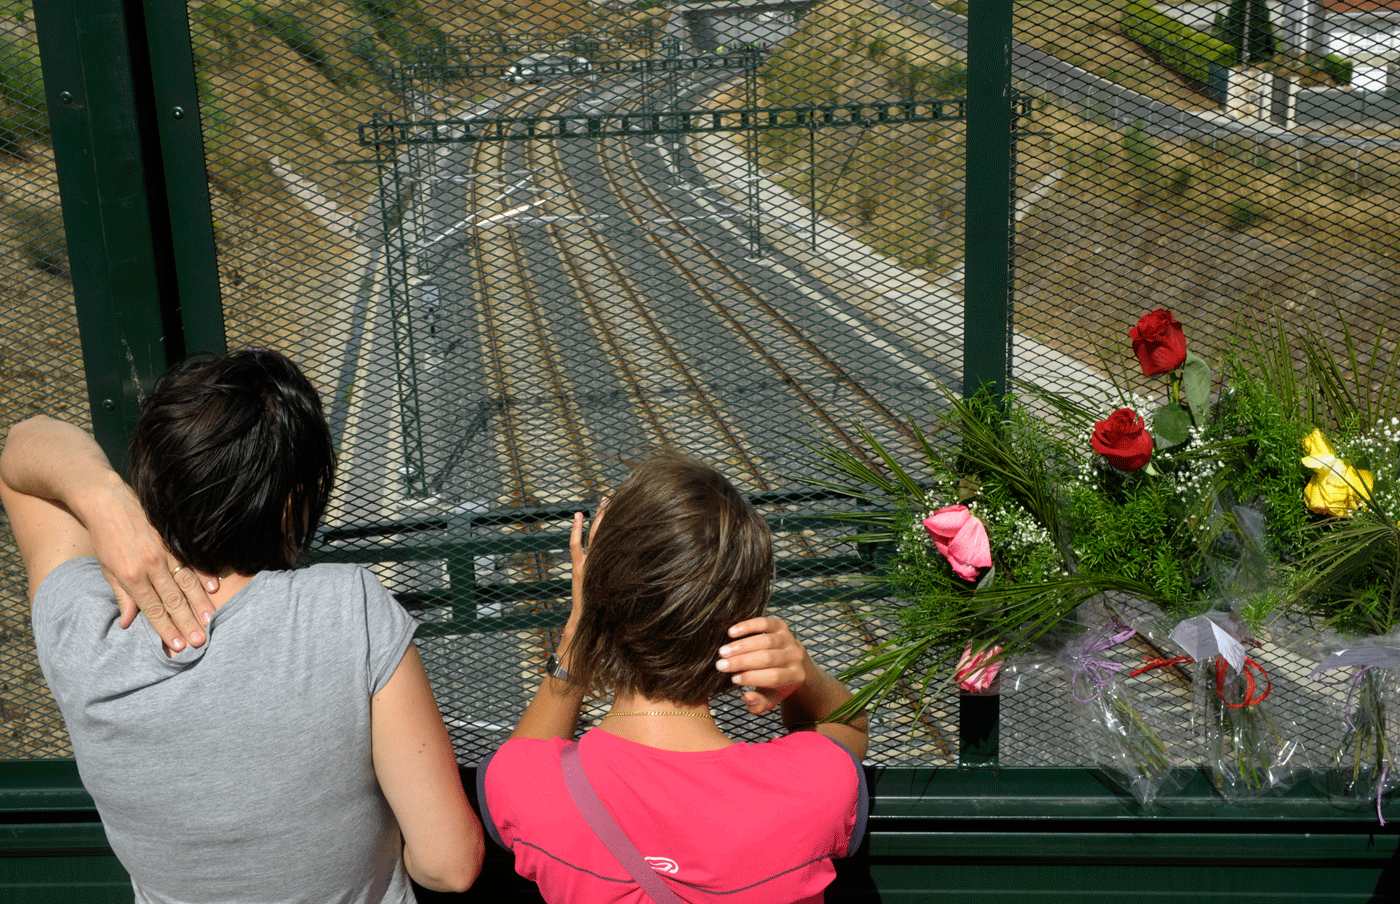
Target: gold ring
(178, 569)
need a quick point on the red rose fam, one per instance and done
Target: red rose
(1158, 342)
(1122, 440)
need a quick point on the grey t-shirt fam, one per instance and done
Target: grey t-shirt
(239, 771)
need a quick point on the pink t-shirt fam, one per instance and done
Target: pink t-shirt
(747, 824)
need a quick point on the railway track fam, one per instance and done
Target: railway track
(853, 630)
(588, 332)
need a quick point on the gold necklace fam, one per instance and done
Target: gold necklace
(661, 712)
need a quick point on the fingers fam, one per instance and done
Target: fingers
(597, 517)
(765, 669)
(762, 635)
(172, 619)
(765, 657)
(758, 701)
(183, 607)
(127, 607)
(195, 592)
(577, 557)
(764, 624)
(576, 552)
(168, 601)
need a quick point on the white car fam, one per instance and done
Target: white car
(545, 67)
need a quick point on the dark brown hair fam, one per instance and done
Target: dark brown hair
(233, 462)
(679, 556)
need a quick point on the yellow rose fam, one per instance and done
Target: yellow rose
(1336, 487)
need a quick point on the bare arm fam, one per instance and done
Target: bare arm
(416, 769)
(553, 713)
(64, 500)
(766, 657)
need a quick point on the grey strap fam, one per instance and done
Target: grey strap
(609, 832)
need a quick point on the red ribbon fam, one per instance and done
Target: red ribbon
(1160, 664)
(1250, 698)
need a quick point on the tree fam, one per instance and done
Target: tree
(1247, 28)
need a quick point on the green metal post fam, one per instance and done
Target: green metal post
(127, 281)
(987, 272)
(175, 98)
(987, 234)
(979, 721)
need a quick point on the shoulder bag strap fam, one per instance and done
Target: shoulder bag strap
(609, 832)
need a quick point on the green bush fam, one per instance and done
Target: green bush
(11, 137)
(22, 84)
(1339, 69)
(38, 233)
(1181, 180)
(1182, 48)
(1141, 153)
(1246, 27)
(293, 31)
(1244, 213)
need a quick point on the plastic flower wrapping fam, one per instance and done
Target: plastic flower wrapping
(1249, 509)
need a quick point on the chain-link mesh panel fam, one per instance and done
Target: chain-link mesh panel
(501, 321)
(517, 244)
(41, 368)
(1230, 162)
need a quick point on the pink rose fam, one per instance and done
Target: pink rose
(1122, 440)
(961, 539)
(974, 673)
(1159, 342)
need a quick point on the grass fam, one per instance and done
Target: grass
(22, 86)
(36, 233)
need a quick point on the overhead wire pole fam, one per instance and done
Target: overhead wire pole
(750, 59)
(987, 311)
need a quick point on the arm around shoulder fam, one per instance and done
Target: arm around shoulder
(50, 470)
(413, 760)
(65, 500)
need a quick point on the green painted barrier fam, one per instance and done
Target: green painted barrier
(1044, 835)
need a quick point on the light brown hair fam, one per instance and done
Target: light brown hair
(679, 557)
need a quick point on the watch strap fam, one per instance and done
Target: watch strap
(553, 669)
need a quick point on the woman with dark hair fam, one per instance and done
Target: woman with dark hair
(297, 753)
(667, 615)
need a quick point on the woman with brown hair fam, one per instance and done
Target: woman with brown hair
(667, 614)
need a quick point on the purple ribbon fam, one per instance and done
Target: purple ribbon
(1380, 788)
(1368, 657)
(1098, 672)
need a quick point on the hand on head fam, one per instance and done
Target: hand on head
(578, 553)
(766, 657)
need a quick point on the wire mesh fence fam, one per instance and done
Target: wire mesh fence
(515, 244)
(41, 361)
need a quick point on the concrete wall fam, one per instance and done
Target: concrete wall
(1336, 106)
(732, 29)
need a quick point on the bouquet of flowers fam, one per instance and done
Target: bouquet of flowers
(1348, 567)
(1246, 750)
(1028, 504)
(1122, 734)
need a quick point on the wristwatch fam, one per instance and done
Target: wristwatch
(553, 669)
